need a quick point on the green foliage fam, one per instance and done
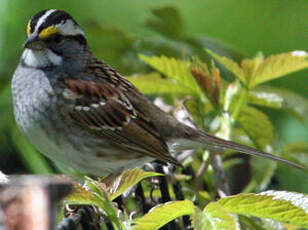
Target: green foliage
(231, 108)
(215, 217)
(126, 180)
(162, 214)
(288, 207)
(252, 72)
(257, 126)
(174, 69)
(181, 78)
(280, 99)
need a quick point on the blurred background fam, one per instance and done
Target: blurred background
(120, 29)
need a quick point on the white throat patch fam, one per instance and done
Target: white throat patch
(40, 58)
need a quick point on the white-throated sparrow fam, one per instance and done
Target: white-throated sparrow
(76, 109)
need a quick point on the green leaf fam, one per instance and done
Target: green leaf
(250, 68)
(287, 207)
(216, 218)
(153, 83)
(262, 173)
(257, 126)
(168, 22)
(230, 65)
(249, 222)
(174, 69)
(164, 213)
(253, 72)
(282, 99)
(126, 180)
(82, 196)
(297, 152)
(199, 220)
(279, 65)
(94, 195)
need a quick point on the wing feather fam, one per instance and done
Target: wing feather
(104, 109)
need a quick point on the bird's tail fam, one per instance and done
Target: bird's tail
(215, 142)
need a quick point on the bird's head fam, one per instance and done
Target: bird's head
(53, 38)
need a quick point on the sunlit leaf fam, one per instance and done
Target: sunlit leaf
(252, 72)
(230, 65)
(153, 83)
(82, 196)
(287, 207)
(215, 217)
(94, 196)
(279, 65)
(249, 222)
(126, 180)
(174, 69)
(257, 125)
(164, 213)
(250, 68)
(283, 99)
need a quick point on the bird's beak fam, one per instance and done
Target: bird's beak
(33, 42)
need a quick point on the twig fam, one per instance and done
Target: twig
(83, 218)
(222, 183)
(177, 187)
(165, 197)
(140, 194)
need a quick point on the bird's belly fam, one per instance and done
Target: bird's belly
(96, 157)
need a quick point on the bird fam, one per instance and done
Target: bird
(79, 111)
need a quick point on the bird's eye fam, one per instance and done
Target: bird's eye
(58, 38)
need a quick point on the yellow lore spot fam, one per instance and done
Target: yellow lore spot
(48, 32)
(29, 28)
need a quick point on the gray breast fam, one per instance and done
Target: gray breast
(32, 97)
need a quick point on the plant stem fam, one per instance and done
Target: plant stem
(242, 100)
(222, 183)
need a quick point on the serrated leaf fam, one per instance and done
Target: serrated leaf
(168, 22)
(164, 213)
(278, 65)
(216, 218)
(253, 72)
(230, 65)
(199, 221)
(257, 126)
(250, 68)
(94, 196)
(153, 83)
(287, 207)
(283, 99)
(174, 69)
(126, 180)
(251, 223)
(81, 196)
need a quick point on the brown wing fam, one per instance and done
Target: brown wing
(103, 108)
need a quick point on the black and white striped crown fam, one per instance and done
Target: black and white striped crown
(48, 22)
